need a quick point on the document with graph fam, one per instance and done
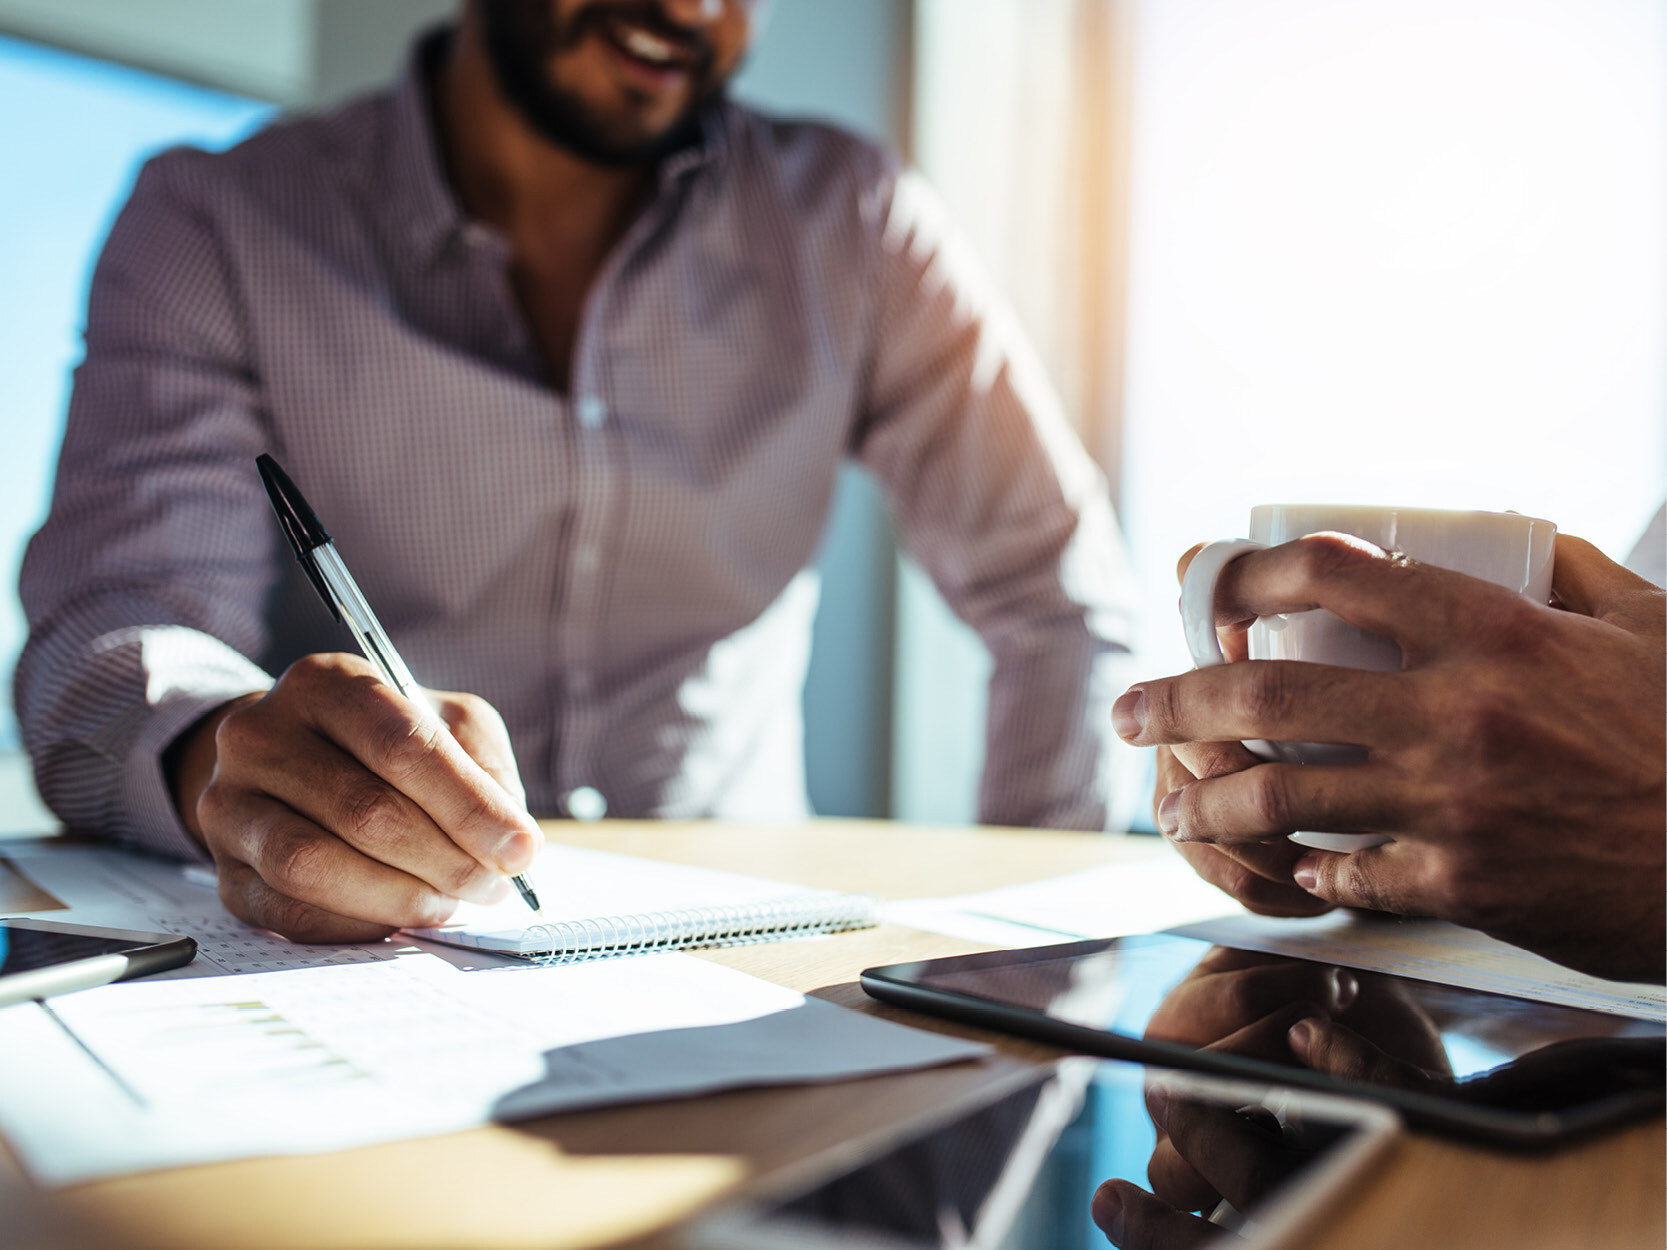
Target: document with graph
(598, 904)
(152, 1074)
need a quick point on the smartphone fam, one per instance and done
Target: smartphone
(1018, 1167)
(40, 958)
(1505, 1070)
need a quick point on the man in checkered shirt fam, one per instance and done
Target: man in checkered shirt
(567, 349)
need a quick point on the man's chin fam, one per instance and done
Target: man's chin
(619, 132)
(616, 147)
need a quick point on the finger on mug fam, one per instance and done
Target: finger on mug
(1586, 581)
(1285, 700)
(1272, 800)
(1410, 603)
(1171, 775)
(253, 901)
(1185, 562)
(1273, 861)
(1204, 759)
(1236, 872)
(1388, 878)
(1235, 641)
(1172, 769)
(1133, 1219)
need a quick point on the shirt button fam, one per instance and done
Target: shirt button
(586, 803)
(585, 557)
(592, 412)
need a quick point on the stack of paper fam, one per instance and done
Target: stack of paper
(262, 1046)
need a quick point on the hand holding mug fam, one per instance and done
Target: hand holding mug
(1508, 549)
(1516, 756)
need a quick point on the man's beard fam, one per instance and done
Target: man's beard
(522, 37)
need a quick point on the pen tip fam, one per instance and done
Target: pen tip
(526, 892)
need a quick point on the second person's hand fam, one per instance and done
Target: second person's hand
(1515, 759)
(1258, 875)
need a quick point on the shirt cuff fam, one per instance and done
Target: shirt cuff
(199, 674)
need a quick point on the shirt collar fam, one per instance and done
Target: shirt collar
(416, 177)
(706, 151)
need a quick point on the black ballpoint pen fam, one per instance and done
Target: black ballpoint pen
(318, 556)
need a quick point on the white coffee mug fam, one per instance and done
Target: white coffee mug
(1501, 547)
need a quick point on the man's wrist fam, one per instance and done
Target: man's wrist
(189, 762)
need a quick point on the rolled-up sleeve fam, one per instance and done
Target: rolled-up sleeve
(993, 493)
(144, 585)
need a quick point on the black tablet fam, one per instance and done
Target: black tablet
(1486, 1066)
(1081, 1153)
(40, 958)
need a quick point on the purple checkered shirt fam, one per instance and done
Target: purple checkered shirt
(623, 570)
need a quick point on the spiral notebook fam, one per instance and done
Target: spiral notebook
(598, 904)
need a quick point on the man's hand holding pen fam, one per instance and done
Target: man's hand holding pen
(347, 802)
(337, 811)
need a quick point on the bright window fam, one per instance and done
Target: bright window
(1391, 251)
(74, 131)
(1394, 251)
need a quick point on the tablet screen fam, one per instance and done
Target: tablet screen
(1175, 999)
(1083, 1155)
(24, 949)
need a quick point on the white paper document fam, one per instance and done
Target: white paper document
(1165, 895)
(1431, 950)
(1107, 901)
(161, 1073)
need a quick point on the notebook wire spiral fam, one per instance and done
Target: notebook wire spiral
(572, 941)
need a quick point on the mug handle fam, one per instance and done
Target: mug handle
(1198, 617)
(1198, 621)
(1198, 597)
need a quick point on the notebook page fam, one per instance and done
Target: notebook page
(576, 884)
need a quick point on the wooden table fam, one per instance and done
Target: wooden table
(627, 1177)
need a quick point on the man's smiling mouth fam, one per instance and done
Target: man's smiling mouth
(651, 49)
